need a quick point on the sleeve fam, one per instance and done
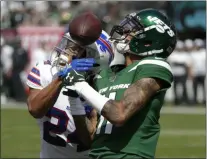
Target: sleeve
(34, 77)
(155, 69)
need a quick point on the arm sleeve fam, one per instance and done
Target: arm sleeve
(155, 69)
(34, 77)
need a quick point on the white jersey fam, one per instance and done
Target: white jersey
(57, 126)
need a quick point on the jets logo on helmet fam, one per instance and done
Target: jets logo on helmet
(148, 33)
(161, 26)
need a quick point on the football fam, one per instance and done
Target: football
(85, 28)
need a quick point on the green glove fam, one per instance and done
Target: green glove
(73, 77)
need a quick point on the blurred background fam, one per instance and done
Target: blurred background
(30, 30)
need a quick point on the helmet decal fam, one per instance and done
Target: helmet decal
(104, 46)
(148, 32)
(161, 26)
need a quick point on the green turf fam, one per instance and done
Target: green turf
(19, 135)
(187, 139)
(182, 121)
(181, 135)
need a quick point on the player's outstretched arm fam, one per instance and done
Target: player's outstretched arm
(134, 98)
(40, 101)
(85, 118)
(86, 127)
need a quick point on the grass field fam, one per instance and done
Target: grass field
(182, 135)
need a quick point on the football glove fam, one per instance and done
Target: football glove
(73, 77)
(84, 64)
(71, 93)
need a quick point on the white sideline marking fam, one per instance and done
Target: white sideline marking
(184, 110)
(179, 132)
(165, 110)
(186, 145)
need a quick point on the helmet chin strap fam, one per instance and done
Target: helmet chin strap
(122, 48)
(119, 58)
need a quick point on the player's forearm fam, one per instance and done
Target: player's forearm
(133, 100)
(119, 112)
(45, 99)
(110, 109)
(85, 128)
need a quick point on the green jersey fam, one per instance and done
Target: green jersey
(139, 135)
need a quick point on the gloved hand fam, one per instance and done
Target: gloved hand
(71, 93)
(84, 64)
(72, 77)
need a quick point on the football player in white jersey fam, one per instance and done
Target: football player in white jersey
(47, 103)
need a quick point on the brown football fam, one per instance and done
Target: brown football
(85, 28)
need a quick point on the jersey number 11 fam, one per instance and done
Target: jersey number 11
(105, 126)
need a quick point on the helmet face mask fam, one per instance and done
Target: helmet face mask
(123, 33)
(69, 47)
(129, 26)
(66, 50)
(150, 32)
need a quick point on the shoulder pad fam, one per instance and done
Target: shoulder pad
(33, 78)
(40, 75)
(153, 63)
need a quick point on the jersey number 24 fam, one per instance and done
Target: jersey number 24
(60, 128)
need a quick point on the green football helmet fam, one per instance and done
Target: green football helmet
(151, 32)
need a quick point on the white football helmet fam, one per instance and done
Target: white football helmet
(108, 54)
(101, 50)
(66, 47)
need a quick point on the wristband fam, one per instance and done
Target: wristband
(95, 99)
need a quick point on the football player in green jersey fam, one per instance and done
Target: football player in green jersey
(129, 100)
